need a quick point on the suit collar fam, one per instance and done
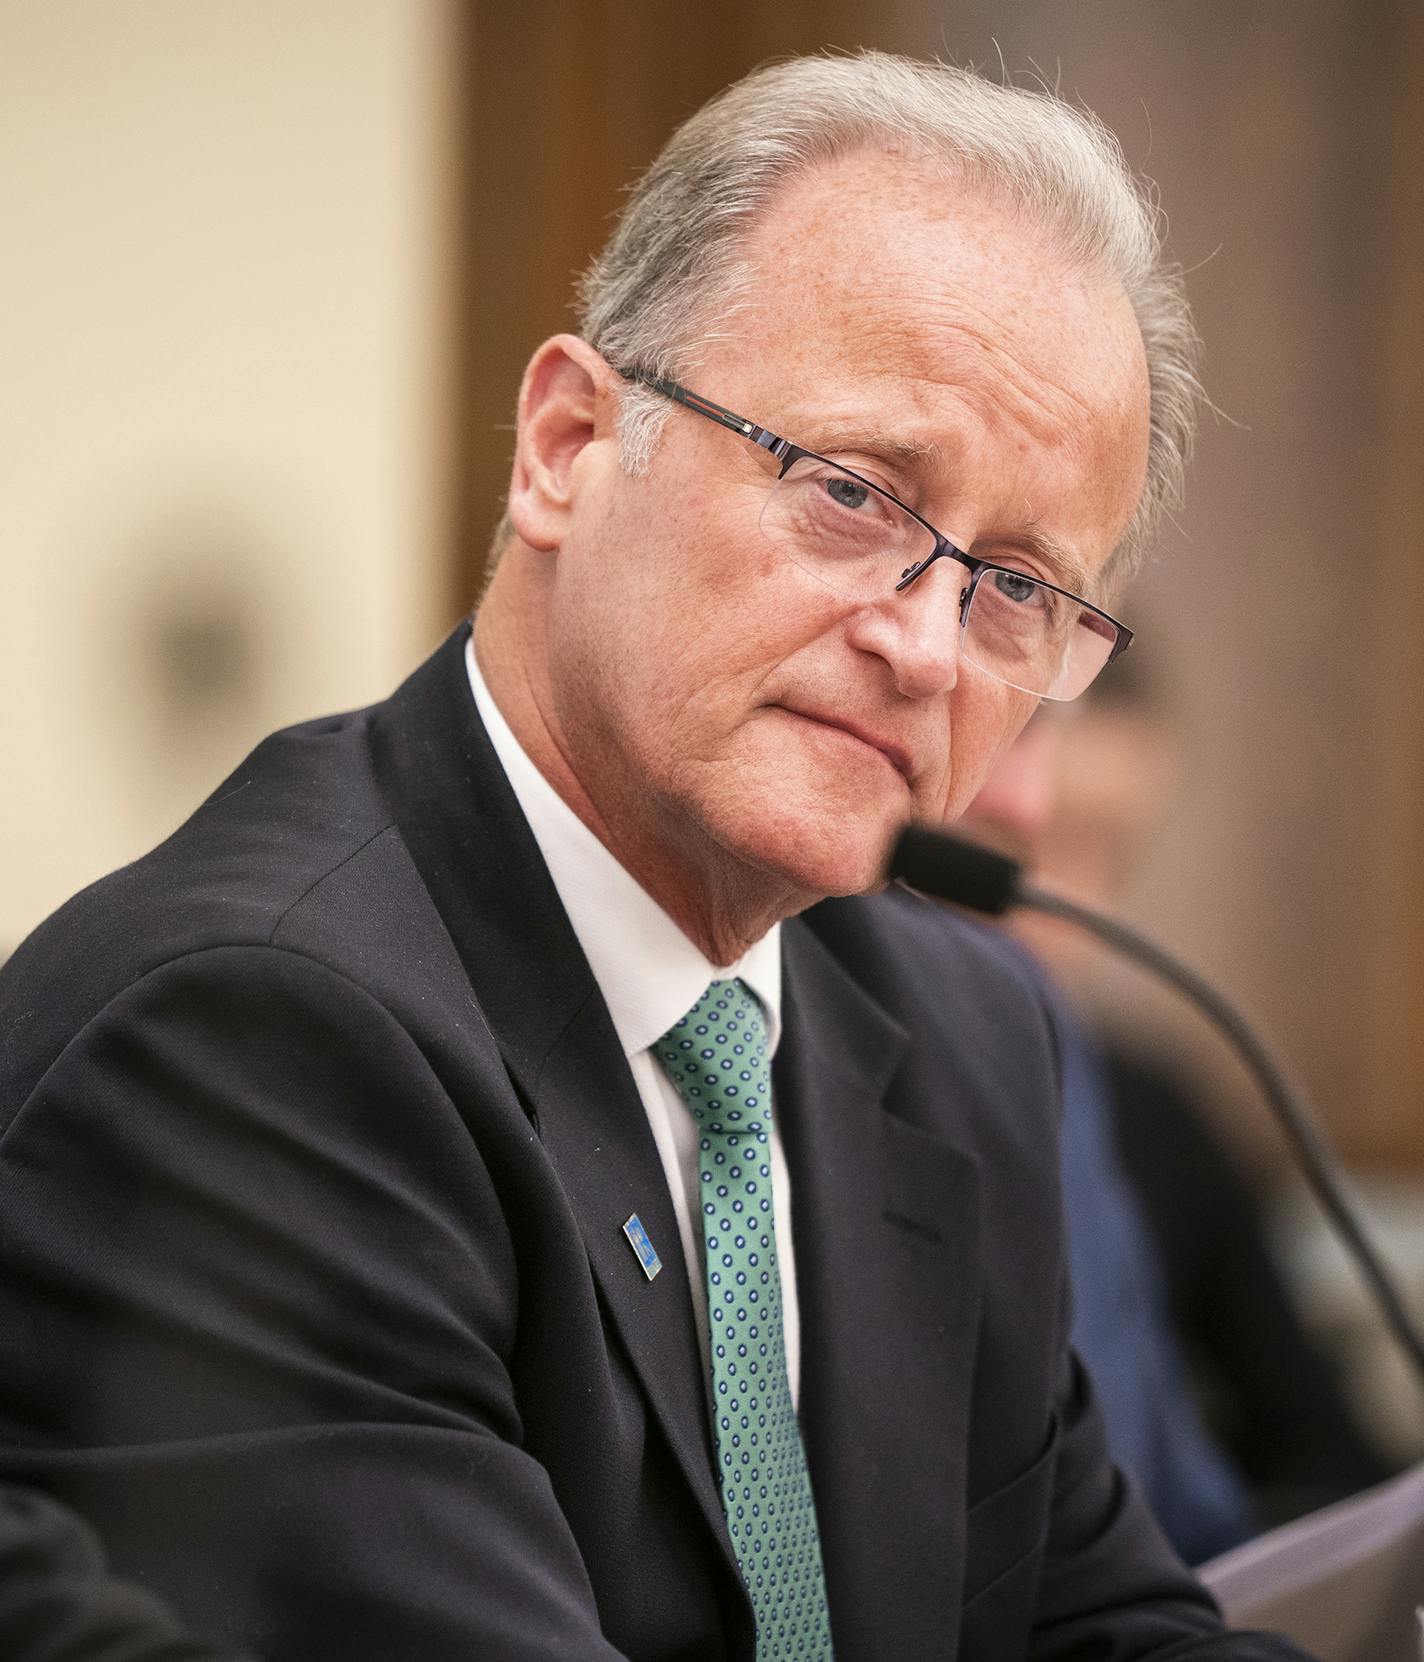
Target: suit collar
(477, 856)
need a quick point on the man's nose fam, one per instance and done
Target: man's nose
(917, 631)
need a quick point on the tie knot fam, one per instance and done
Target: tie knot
(716, 1057)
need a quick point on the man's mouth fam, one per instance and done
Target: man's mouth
(896, 754)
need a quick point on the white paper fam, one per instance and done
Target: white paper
(1345, 1583)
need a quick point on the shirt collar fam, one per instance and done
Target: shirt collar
(649, 972)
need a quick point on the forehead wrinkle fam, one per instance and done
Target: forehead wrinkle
(965, 348)
(954, 347)
(1044, 405)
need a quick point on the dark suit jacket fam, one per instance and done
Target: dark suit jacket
(315, 1146)
(57, 1602)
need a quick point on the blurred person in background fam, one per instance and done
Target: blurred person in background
(396, 1193)
(1121, 1323)
(1180, 1309)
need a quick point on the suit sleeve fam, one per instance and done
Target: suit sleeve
(260, 1300)
(58, 1603)
(1110, 1584)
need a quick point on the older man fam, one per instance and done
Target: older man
(410, 1250)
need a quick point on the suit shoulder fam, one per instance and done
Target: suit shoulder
(292, 813)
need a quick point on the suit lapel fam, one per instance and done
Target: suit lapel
(888, 1283)
(596, 1131)
(478, 858)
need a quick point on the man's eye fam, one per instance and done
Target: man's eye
(1014, 587)
(847, 493)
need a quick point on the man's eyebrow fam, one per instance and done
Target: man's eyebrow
(1064, 562)
(909, 452)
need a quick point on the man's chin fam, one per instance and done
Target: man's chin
(820, 860)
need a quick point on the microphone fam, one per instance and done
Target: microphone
(955, 869)
(952, 868)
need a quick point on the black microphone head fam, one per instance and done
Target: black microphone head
(950, 868)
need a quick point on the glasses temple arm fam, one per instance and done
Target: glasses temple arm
(705, 407)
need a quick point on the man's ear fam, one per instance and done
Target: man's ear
(564, 402)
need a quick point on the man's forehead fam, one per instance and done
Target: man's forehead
(895, 305)
(871, 212)
(868, 262)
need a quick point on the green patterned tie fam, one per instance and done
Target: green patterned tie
(716, 1057)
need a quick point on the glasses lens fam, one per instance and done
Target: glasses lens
(1034, 637)
(841, 530)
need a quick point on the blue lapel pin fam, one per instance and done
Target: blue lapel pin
(642, 1246)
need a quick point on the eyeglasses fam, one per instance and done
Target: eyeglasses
(853, 536)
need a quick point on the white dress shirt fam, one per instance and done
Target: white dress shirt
(650, 975)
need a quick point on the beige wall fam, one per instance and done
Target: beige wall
(222, 496)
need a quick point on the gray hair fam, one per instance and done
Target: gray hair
(674, 273)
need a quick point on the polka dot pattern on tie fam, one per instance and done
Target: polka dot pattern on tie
(716, 1057)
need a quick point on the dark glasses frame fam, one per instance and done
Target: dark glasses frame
(788, 454)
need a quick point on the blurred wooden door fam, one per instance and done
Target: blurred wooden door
(1396, 853)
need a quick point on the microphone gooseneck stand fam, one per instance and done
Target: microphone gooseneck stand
(952, 869)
